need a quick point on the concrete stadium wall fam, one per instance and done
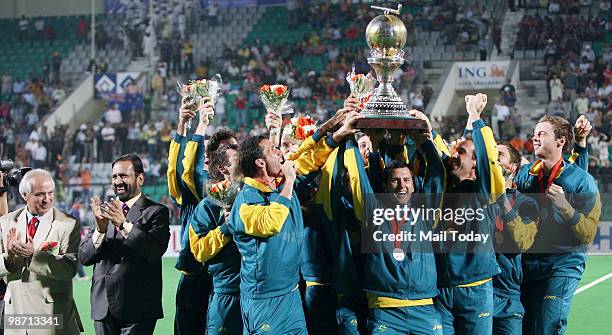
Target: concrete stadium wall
(74, 103)
(29, 8)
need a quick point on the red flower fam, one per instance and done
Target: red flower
(280, 90)
(305, 121)
(214, 189)
(265, 88)
(300, 134)
(357, 76)
(48, 245)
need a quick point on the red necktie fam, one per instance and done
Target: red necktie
(32, 226)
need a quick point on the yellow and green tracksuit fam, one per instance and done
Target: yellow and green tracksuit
(222, 260)
(268, 230)
(342, 214)
(554, 265)
(465, 269)
(519, 227)
(579, 157)
(186, 176)
(320, 300)
(401, 292)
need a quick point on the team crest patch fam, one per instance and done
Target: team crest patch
(265, 327)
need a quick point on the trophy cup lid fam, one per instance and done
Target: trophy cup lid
(386, 34)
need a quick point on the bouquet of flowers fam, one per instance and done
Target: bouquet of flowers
(300, 128)
(361, 85)
(274, 97)
(198, 89)
(223, 193)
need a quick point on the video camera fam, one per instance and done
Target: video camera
(12, 178)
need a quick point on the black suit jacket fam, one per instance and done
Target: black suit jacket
(127, 276)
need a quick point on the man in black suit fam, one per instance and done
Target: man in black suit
(131, 235)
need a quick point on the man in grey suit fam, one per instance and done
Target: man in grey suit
(131, 235)
(39, 247)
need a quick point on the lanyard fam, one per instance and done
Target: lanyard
(397, 228)
(499, 224)
(552, 177)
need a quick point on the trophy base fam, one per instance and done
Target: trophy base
(391, 122)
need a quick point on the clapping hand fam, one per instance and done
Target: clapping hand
(113, 212)
(99, 219)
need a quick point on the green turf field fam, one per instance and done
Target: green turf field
(589, 312)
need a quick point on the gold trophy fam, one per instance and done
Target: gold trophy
(386, 37)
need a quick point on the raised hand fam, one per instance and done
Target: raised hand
(348, 126)
(273, 121)
(206, 110)
(11, 237)
(331, 124)
(186, 113)
(101, 221)
(582, 129)
(113, 212)
(24, 250)
(475, 104)
(352, 103)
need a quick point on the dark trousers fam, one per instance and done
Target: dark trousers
(192, 298)
(112, 326)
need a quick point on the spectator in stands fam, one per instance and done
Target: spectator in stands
(101, 37)
(581, 104)
(556, 88)
(39, 28)
(497, 37)
(58, 94)
(550, 52)
(38, 153)
(152, 139)
(500, 113)
(6, 86)
(113, 115)
(9, 142)
(50, 32)
(148, 47)
(570, 82)
(24, 26)
(416, 100)
(82, 29)
(483, 47)
(187, 51)
(56, 64)
(108, 140)
(176, 58)
(19, 86)
(213, 9)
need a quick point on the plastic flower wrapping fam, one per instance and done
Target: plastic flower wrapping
(223, 193)
(362, 86)
(202, 88)
(274, 97)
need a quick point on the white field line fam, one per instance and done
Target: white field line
(593, 283)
